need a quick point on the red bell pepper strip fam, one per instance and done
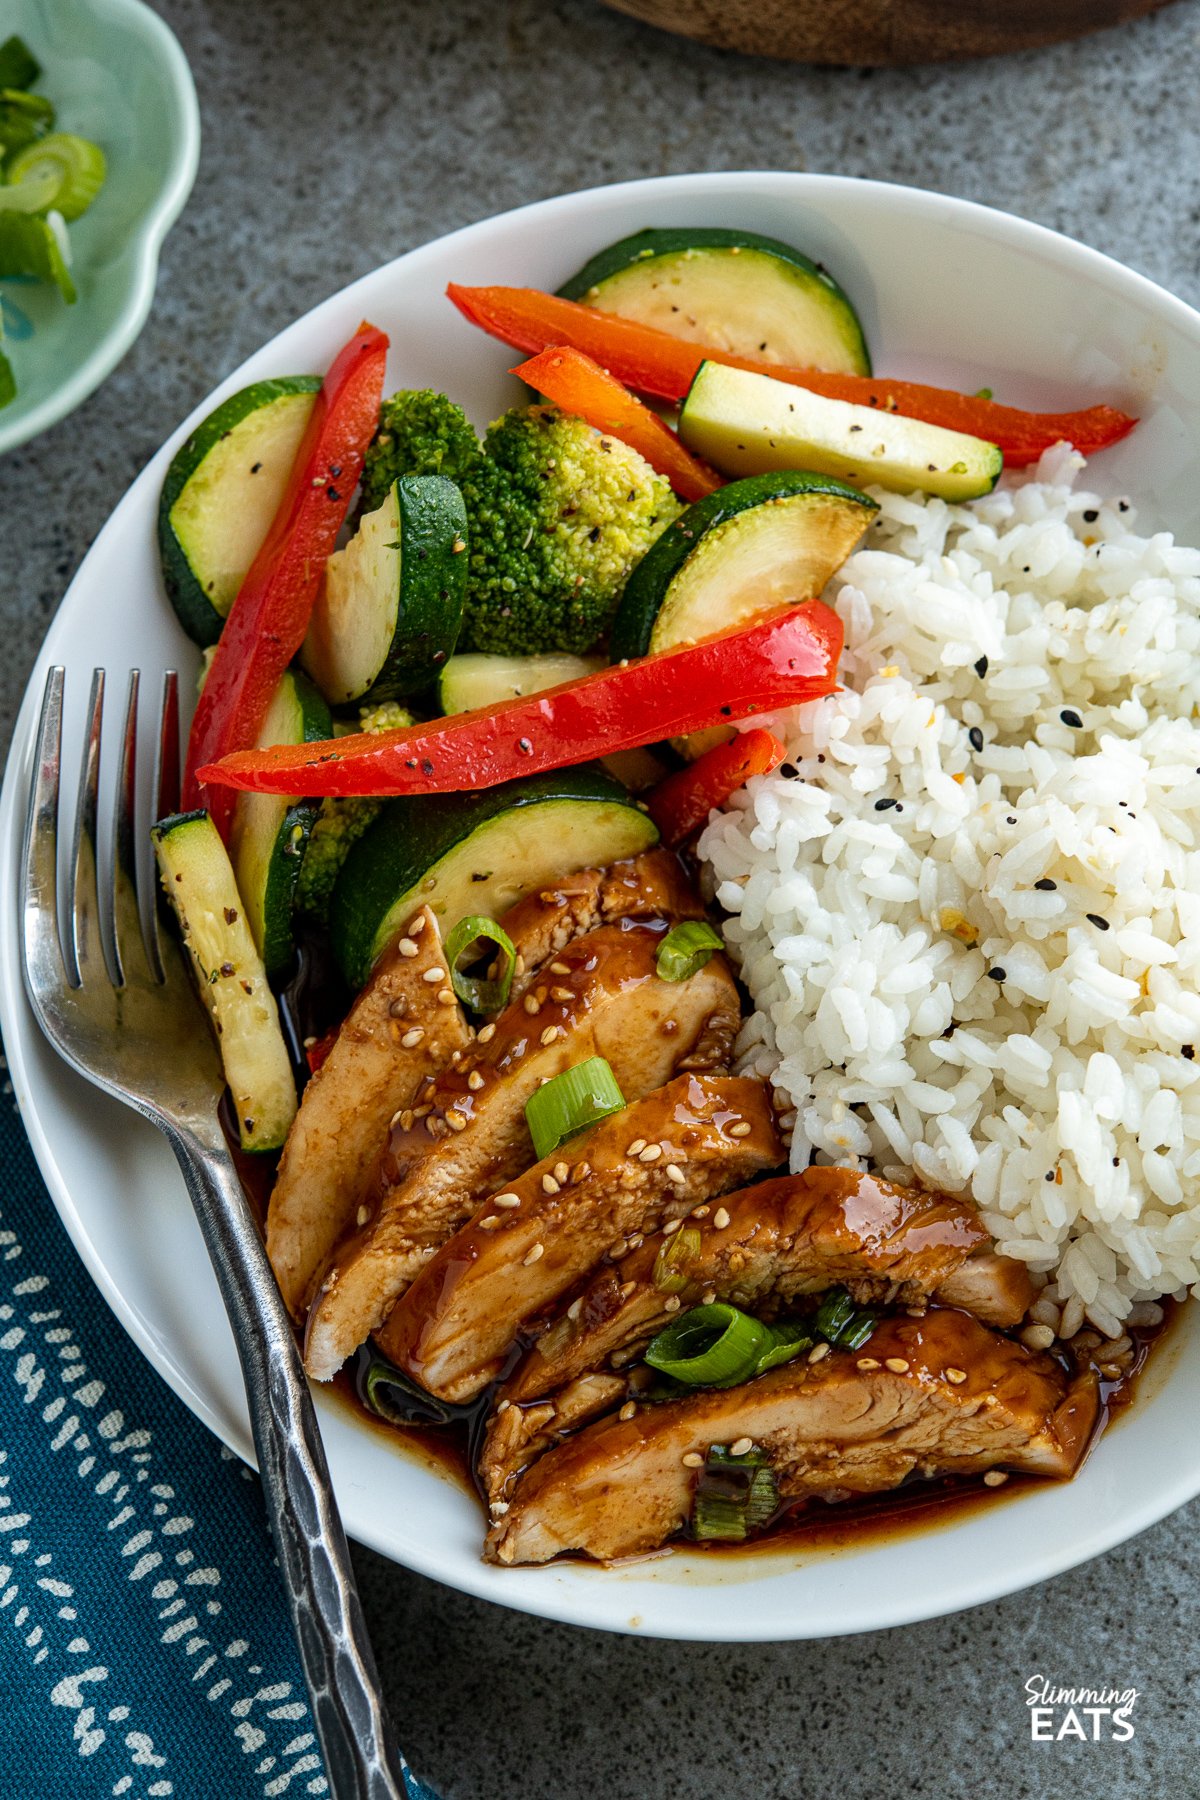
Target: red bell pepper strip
(787, 657)
(681, 803)
(654, 362)
(578, 385)
(269, 618)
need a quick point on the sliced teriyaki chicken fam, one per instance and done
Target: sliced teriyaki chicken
(653, 885)
(468, 1131)
(517, 1435)
(525, 1248)
(400, 1030)
(772, 1245)
(938, 1395)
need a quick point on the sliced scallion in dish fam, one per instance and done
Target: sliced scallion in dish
(30, 245)
(483, 994)
(686, 949)
(670, 1265)
(719, 1346)
(31, 194)
(841, 1323)
(74, 164)
(19, 67)
(571, 1102)
(734, 1496)
(23, 119)
(390, 1394)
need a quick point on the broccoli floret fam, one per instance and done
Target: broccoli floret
(420, 433)
(558, 516)
(340, 823)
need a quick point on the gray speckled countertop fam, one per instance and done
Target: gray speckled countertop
(334, 137)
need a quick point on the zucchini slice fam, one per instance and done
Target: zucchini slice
(390, 608)
(271, 832)
(477, 853)
(199, 881)
(738, 553)
(734, 290)
(221, 492)
(475, 679)
(746, 423)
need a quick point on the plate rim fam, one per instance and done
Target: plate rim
(570, 1604)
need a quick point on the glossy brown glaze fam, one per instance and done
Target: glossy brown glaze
(468, 1130)
(777, 1243)
(456, 1323)
(941, 1394)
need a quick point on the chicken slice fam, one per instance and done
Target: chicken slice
(517, 1435)
(778, 1242)
(938, 1395)
(644, 1166)
(395, 1035)
(653, 885)
(609, 1001)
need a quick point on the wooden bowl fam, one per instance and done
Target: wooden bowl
(882, 31)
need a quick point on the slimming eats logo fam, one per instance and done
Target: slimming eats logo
(1093, 1715)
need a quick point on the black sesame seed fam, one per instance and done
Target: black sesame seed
(821, 759)
(981, 667)
(976, 738)
(1045, 885)
(1122, 506)
(997, 974)
(1116, 1162)
(1049, 1175)
(789, 771)
(1188, 1052)
(1090, 516)
(899, 807)
(1070, 717)
(1010, 819)
(883, 805)
(1097, 921)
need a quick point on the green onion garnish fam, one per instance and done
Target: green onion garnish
(19, 67)
(392, 1396)
(669, 1274)
(75, 165)
(734, 1496)
(841, 1323)
(32, 194)
(685, 949)
(710, 1346)
(482, 994)
(34, 246)
(23, 118)
(571, 1102)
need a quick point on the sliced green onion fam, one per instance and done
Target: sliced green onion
(482, 994)
(710, 1346)
(856, 1334)
(19, 67)
(789, 1342)
(685, 949)
(390, 1394)
(834, 1314)
(75, 164)
(34, 246)
(670, 1265)
(572, 1102)
(23, 118)
(734, 1496)
(32, 194)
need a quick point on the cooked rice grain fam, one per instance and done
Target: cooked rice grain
(971, 927)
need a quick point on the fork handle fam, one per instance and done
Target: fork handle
(361, 1757)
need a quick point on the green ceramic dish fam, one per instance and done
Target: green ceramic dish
(116, 74)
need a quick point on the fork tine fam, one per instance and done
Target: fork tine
(42, 952)
(166, 800)
(125, 923)
(82, 938)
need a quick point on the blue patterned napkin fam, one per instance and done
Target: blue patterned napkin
(145, 1647)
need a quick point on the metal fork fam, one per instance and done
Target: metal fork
(117, 1003)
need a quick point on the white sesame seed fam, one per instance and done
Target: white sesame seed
(650, 1154)
(897, 1364)
(491, 1223)
(548, 1036)
(549, 1185)
(575, 1308)
(412, 1038)
(499, 1508)
(434, 974)
(671, 1303)
(867, 1362)
(693, 1460)
(700, 1212)
(503, 1405)
(456, 1120)
(561, 1172)
(532, 1004)
(636, 1148)
(486, 1033)
(416, 926)
(561, 993)
(671, 1227)
(560, 968)
(720, 1218)
(363, 1214)
(445, 997)
(818, 1353)
(674, 1173)
(742, 1129)
(507, 1201)
(581, 1171)
(957, 1376)
(741, 1446)
(627, 1411)
(406, 947)
(627, 1288)
(1037, 1337)
(995, 1478)
(616, 1251)
(537, 1251)
(474, 1081)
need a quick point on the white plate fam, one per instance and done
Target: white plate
(948, 291)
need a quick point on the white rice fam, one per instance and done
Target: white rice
(1063, 1097)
